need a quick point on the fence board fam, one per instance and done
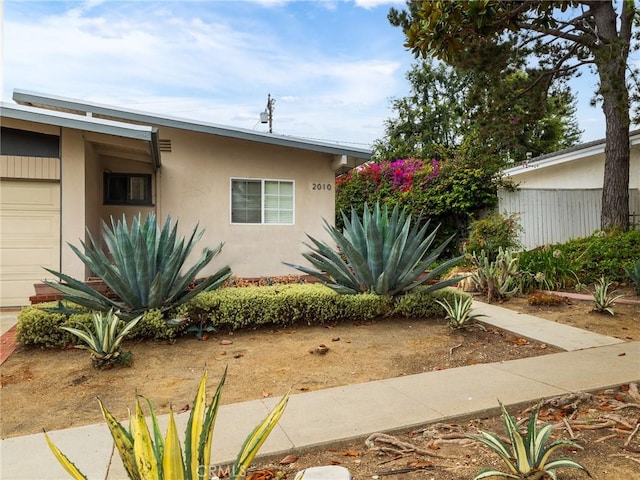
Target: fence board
(557, 215)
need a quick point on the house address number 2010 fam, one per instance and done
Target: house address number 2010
(321, 186)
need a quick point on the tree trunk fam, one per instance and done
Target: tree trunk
(611, 60)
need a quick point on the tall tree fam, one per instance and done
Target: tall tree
(563, 36)
(432, 120)
(448, 107)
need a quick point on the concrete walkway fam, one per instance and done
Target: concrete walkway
(591, 362)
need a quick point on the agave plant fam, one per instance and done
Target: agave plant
(499, 278)
(459, 314)
(383, 254)
(145, 268)
(603, 299)
(147, 455)
(104, 344)
(633, 271)
(530, 457)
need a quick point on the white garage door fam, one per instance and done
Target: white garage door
(29, 237)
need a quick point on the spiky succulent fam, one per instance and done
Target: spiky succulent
(147, 455)
(529, 457)
(143, 268)
(459, 314)
(603, 298)
(383, 253)
(106, 337)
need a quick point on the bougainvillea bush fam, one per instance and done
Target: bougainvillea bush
(450, 192)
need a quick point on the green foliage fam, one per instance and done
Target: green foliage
(450, 192)
(421, 303)
(499, 278)
(147, 455)
(603, 254)
(548, 268)
(39, 326)
(499, 114)
(528, 457)
(250, 307)
(431, 121)
(382, 253)
(549, 41)
(493, 232)
(633, 270)
(603, 298)
(104, 340)
(459, 314)
(144, 268)
(285, 305)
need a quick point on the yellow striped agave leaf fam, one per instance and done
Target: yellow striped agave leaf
(143, 449)
(64, 461)
(256, 438)
(122, 440)
(206, 438)
(517, 442)
(199, 433)
(172, 462)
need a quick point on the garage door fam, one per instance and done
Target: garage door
(29, 237)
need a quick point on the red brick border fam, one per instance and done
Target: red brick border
(7, 344)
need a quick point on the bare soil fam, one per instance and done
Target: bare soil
(54, 389)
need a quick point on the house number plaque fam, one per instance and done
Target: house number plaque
(321, 186)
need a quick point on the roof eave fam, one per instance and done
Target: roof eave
(34, 99)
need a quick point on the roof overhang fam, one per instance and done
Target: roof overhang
(357, 155)
(111, 132)
(569, 155)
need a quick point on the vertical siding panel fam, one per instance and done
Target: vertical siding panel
(553, 216)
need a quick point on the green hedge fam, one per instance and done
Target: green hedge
(588, 258)
(250, 307)
(39, 327)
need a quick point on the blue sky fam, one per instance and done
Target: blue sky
(331, 66)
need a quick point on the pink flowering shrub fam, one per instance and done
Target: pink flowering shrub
(450, 192)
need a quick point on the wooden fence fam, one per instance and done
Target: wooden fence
(556, 215)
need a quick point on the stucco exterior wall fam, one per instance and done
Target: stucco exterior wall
(93, 194)
(73, 200)
(195, 187)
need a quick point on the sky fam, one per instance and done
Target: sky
(332, 67)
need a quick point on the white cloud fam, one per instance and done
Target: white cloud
(368, 4)
(201, 66)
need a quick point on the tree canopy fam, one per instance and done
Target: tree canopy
(556, 39)
(449, 108)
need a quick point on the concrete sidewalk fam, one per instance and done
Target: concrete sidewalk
(328, 416)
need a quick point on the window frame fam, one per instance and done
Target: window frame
(263, 181)
(107, 199)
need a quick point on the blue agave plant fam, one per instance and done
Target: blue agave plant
(143, 268)
(383, 253)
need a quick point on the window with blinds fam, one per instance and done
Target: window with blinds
(262, 201)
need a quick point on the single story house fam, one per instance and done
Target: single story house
(66, 164)
(559, 195)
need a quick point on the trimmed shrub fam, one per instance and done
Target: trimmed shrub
(39, 327)
(420, 303)
(250, 307)
(493, 233)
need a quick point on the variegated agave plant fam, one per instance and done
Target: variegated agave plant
(147, 455)
(143, 268)
(105, 339)
(383, 253)
(459, 314)
(530, 457)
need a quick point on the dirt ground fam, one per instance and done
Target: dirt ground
(55, 389)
